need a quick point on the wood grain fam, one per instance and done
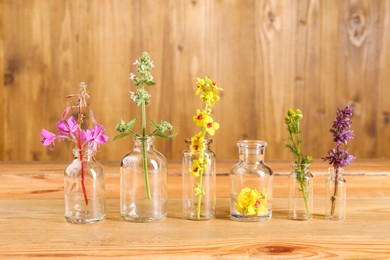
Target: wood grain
(32, 223)
(267, 55)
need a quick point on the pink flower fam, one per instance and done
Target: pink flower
(67, 127)
(47, 138)
(95, 137)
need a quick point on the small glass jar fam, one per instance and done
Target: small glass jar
(143, 183)
(84, 199)
(336, 195)
(197, 207)
(251, 184)
(300, 197)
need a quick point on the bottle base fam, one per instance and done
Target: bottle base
(242, 218)
(139, 219)
(299, 217)
(194, 217)
(74, 220)
(334, 218)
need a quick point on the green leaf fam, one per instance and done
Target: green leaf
(121, 135)
(150, 83)
(165, 136)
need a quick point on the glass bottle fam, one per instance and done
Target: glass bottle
(336, 195)
(135, 204)
(251, 184)
(78, 209)
(300, 198)
(190, 182)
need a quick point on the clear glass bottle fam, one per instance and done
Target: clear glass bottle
(336, 195)
(191, 201)
(300, 197)
(77, 210)
(251, 184)
(135, 204)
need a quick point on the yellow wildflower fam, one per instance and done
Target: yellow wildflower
(196, 166)
(197, 142)
(211, 126)
(198, 190)
(200, 117)
(208, 90)
(250, 202)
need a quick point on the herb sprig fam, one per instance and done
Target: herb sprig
(142, 98)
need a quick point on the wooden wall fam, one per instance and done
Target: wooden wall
(268, 56)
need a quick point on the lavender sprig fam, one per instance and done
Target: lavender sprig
(338, 157)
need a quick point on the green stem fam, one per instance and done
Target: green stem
(143, 141)
(334, 197)
(200, 183)
(200, 195)
(304, 194)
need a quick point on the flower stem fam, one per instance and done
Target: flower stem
(334, 197)
(200, 195)
(304, 194)
(144, 161)
(82, 167)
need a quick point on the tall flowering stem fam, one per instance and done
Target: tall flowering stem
(142, 98)
(339, 157)
(208, 92)
(292, 121)
(69, 129)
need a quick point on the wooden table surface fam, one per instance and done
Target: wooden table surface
(32, 223)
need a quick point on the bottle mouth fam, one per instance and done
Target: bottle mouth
(206, 141)
(85, 151)
(141, 138)
(251, 144)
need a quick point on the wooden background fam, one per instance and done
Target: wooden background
(267, 55)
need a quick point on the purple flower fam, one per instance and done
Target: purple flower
(95, 136)
(47, 138)
(67, 127)
(341, 125)
(338, 157)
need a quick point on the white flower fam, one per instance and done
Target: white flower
(136, 62)
(132, 76)
(133, 96)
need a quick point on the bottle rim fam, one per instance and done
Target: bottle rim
(142, 138)
(252, 143)
(206, 141)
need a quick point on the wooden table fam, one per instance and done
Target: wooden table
(32, 223)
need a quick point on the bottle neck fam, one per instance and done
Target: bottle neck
(148, 141)
(199, 147)
(86, 154)
(336, 172)
(300, 167)
(251, 152)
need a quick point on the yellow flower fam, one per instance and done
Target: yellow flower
(200, 117)
(250, 202)
(198, 190)
(196, 166)
(208, 90)
(197, 142)
(211, 126)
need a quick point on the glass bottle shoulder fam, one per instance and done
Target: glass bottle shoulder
(259, 169)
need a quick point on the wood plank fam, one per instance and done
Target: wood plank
(31, 202)
(178, 238)
(3, 75)
(267, 55)
(43, 181)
